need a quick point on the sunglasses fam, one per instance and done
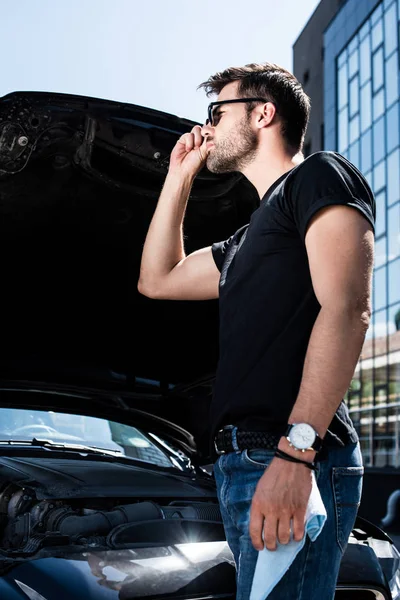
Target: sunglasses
(212, 105)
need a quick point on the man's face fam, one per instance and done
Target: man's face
(232, 142)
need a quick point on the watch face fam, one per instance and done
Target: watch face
(302, 436)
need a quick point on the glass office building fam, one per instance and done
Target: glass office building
(361, 115)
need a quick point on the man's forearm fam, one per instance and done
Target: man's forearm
(163, 247)
(333, 351)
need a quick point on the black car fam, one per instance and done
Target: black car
(106, 486)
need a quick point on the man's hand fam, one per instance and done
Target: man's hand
(190, 153)
(281, 495)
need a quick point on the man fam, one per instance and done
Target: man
(294, 292)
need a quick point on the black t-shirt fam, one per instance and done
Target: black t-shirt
(267, 302)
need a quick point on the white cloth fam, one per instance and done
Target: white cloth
(272, 564)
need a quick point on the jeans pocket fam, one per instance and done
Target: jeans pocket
(347, 488)
(258, 457)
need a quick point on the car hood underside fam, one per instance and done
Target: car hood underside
(79, 182)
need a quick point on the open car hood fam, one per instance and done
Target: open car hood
(79, 182)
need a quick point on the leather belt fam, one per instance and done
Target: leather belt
(223, 441)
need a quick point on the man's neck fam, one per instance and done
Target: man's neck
(266, 169)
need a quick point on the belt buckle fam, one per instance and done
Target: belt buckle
(221, 432)
(219, 452)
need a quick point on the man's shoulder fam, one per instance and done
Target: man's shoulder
(324, 159)
(324, 168)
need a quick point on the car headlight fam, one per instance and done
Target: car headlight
(30, 593)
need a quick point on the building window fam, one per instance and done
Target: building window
(354, 92)
(343, 92)
(390, 30)
(366, 101)
(393, 176)
(306, 77)
(394, 231)
(392, 79)
(394, 281)
(365, 60)
(380, 225)
(377, 34)
(343, 130)
(377, 69)
(392, 128)
(380, 298)
(379, 177)
(366, 152)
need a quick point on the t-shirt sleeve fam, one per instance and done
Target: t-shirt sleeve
(219, 250)
(327, 179)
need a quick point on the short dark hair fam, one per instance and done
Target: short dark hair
(275, 84)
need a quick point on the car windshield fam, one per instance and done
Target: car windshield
(19, 424)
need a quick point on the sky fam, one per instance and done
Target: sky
(148, 52)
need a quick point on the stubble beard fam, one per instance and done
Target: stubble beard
(235, 151)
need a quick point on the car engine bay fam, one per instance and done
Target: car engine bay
(33, 525)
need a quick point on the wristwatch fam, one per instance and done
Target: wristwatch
(302, 436)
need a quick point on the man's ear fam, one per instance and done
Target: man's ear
(266, 114)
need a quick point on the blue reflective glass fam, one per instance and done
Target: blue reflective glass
(354, 104)
(380, 225)
(379, 140)
(391, 83)
(342, 57)
(377, 69)
(352, 45)
(380, 288)
(390, 30)
(353, 63)
(354, 154)
(378, 105)
(393, 175)
(392, 127)
(394, 281)
(365, 60)
(366, 112)
(343, 86)
(366, 152)
(394, 231)
(379, 177)
(387, 3)
(354, 129)
(377, 34)
(393, 324)
(380, 328)
(368, 177)
(343, 139)
(376, 14)
(380, 253)
(363, 31)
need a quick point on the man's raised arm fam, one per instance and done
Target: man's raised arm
(165, 271)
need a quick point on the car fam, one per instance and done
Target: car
(106, 483)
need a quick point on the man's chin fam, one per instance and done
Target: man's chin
(218, 168)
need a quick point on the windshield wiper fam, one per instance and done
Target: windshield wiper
(62, 446)
(82, 449)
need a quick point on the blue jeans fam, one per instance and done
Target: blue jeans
(313, 573)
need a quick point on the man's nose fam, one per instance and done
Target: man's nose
(206, 129)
